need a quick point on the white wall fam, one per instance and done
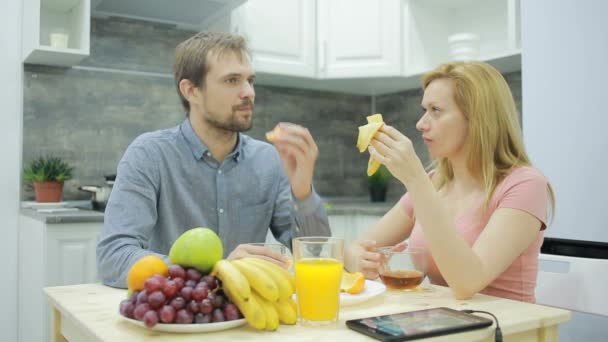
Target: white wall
(11, 99)
(565, 109)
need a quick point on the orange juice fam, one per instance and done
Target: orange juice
(318, 288)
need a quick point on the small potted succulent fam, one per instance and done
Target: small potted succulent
(378, 184)
(47, 175)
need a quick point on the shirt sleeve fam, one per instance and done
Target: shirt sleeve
(525, 189)
(293, 218)
(129, 217)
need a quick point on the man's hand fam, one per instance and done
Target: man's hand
(299, 152)
(245, 250)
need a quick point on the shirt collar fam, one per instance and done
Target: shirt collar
(199, 148)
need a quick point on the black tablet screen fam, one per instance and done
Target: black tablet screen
(422, 323)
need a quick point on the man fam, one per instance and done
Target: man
(205, 172)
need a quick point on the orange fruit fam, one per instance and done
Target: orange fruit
(352, 283)
(143, 269)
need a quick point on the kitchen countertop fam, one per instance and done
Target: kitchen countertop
(83, 213)
(357, 206)
(333, 206)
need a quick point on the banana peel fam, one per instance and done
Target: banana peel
(366, 134)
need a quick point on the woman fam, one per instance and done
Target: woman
(482, 209)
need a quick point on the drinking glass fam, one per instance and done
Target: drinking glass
(403, 270)
(318, 267)
(278, 248)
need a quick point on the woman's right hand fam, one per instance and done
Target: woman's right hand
(365, 258)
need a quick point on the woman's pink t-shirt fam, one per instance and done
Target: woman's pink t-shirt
(525, 188)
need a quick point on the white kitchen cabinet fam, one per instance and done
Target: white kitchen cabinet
(427, 25)
(322, 39)
(371, 47)
(51, 254)
(359, 38)
(351, 227)
(66, 19)
(284, 45)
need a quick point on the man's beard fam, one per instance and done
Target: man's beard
(232, 123)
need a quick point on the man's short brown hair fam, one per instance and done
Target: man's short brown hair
(192, 57)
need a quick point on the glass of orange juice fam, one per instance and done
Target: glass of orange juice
(278, 248)
(318, 269)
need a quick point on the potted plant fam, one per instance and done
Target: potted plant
(47, 175)
(378, 184)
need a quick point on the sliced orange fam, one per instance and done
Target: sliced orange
(352, 283)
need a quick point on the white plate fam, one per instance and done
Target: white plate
(188, 328)
(371, 290)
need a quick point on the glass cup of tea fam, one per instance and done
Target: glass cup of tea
(318, 268)
(403, 270)
(277, 248)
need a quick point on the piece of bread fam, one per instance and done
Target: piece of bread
(273, 135)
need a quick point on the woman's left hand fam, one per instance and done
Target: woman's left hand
(396, 151)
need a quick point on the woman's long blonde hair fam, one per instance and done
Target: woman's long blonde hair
(494, 144)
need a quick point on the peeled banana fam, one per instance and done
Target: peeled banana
(366, 134)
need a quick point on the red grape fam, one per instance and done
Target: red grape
(231, 312)
(162, 279)
(167, 314)
(201, 318)
(193, 306)
(170, 289)
(178, 303)
(216, 299)
(186, 292)
(156, 299)
(211, 282)
(180, 282)
(152, 284)
(140, 310)
(176, 271)
(150, 318)
(126, 308)
(205, 306)
(134, 297)
(217, 316)
(200, 293)
(142, 297)
(184, 317)
(193, 274)
(190, 283)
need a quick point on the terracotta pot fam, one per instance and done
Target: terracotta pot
(48, 191)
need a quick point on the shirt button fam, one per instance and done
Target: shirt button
(208, 154)
(221, 211)
(219, 172)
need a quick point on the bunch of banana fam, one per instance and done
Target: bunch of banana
(261, 289)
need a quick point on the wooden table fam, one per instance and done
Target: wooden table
(89, 312)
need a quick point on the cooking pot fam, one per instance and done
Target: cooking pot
(100, 194)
